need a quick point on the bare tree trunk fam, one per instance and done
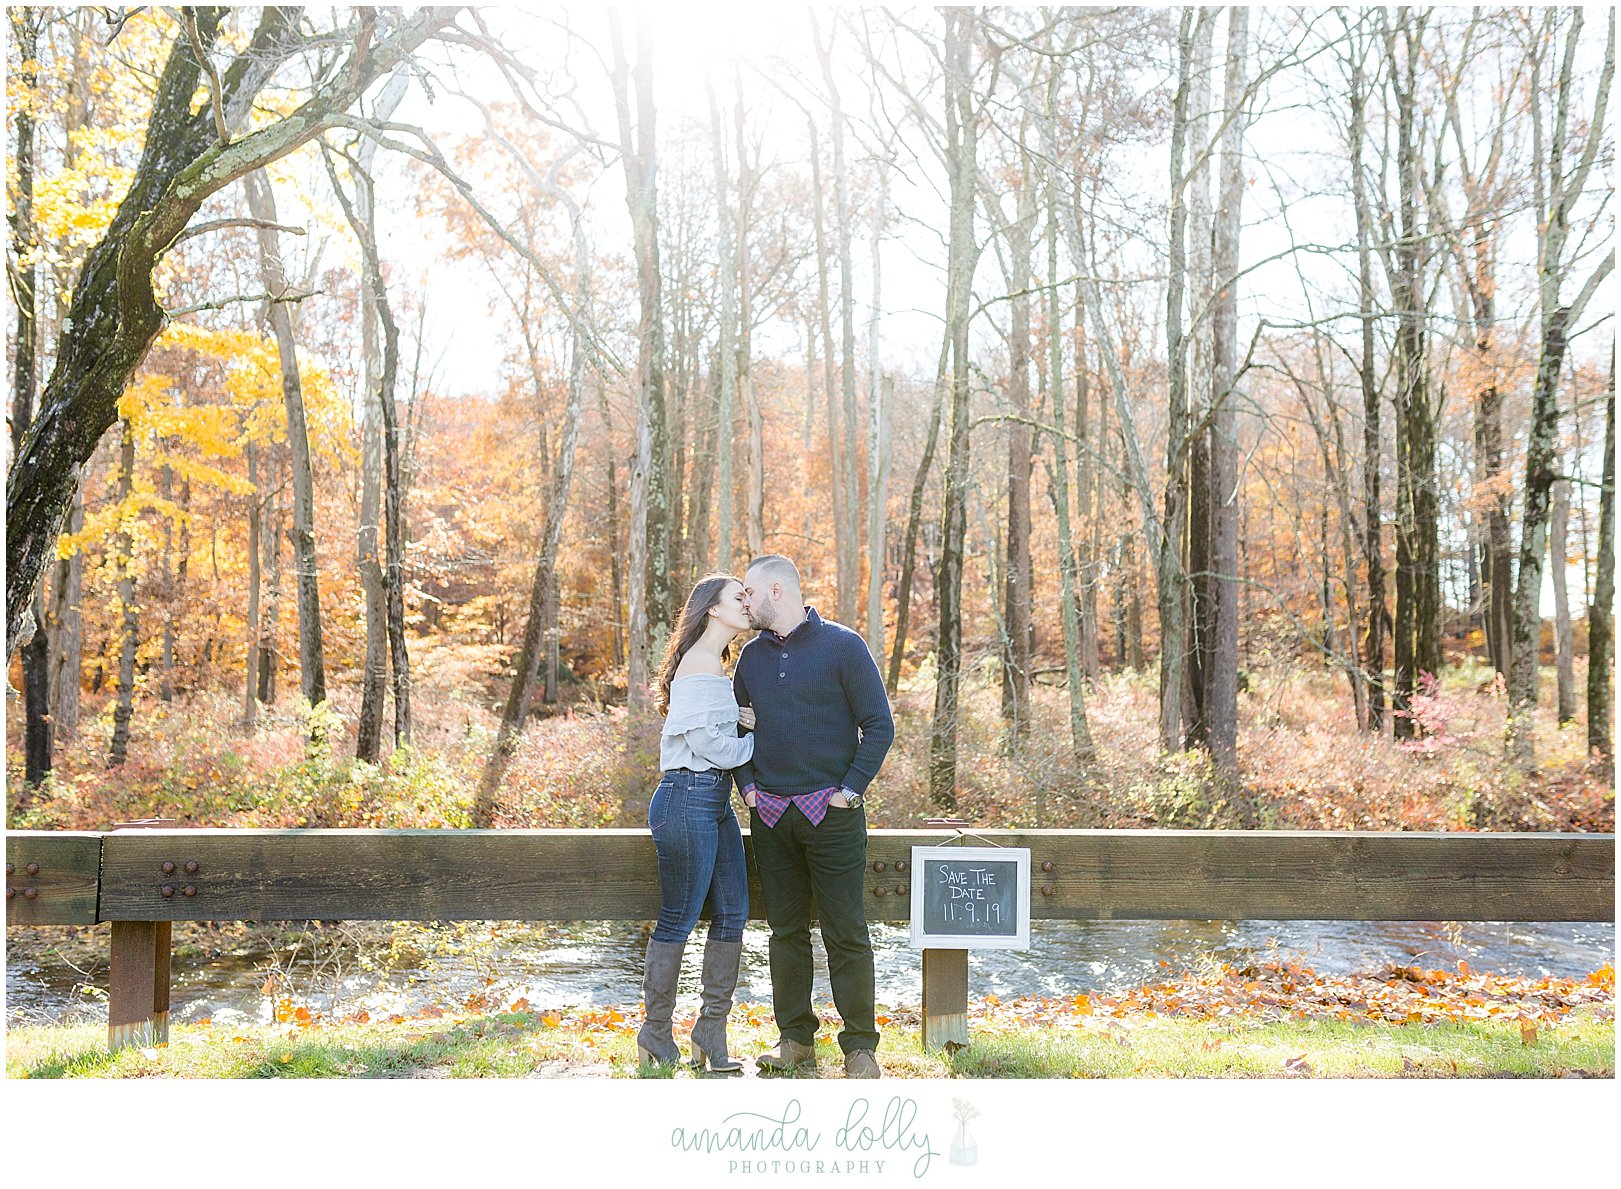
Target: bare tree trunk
(1600, 616)
(1336, 467)
(1373, 642)
(701, 485)
(311, 659)
(1221, 687)
(1200, 603)
(1019, 571)
(616, 573)
(961, 136)
(377, 293)
(125, 708)
(914, 515)
(650, 495)
(881, 395)
(166, 649)
(1171, 576)
(840, 439)
(1088, 470)
(1134, 609)
(250, 700)
(755, 519)
(553, 609)
(67, 633)
(850, 500)
(269, 642)
(36, 653)
(374, 671)
(1556, 192)
(681, 343)
(727, 279)
(1080, 733)
(1564, 633)
(1417, 593)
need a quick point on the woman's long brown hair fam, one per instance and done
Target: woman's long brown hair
(694, 618)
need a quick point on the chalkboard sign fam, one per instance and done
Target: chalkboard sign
(970, 897)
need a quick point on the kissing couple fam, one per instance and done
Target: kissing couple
(800, 728)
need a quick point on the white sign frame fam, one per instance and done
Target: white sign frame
(1019, 940)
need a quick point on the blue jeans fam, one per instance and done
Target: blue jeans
(700, 856)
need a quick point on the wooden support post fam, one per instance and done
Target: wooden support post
(138, 985)
(945, 998)
(945, 978)
(138, 973)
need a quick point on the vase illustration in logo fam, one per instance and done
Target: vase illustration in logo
(963, 1148)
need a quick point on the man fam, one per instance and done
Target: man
(822, 729)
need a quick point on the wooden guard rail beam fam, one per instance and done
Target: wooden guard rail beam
(140, 880)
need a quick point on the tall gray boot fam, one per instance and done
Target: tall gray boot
(721, 959)
(654, 1043)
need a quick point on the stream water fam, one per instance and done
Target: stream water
(580, 964)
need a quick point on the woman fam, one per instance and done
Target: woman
(699, 844)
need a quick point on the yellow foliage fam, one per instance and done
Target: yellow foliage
(141, 395)
(116, 517)
(188, 469)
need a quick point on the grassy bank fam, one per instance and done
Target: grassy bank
(1013, 1040)
(520, 1045)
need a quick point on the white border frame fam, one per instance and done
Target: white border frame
(975, 941)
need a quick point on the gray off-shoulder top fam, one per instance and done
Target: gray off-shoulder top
(700, 730)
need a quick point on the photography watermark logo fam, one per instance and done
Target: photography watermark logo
(863, 1140)
(964, 1150)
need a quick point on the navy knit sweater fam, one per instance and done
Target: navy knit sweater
(823, 717)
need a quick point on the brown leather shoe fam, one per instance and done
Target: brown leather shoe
(861, 1063)
(786, 1054)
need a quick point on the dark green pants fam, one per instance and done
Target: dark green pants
(795, 860)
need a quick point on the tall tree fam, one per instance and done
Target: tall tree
(67, 615)
(1080, 732)
(727, 279)
(747, 179)
(1418, 591)
(1220, 703)
(129, 635)
(962, 133)
(849, 557)
(1564, 632)
(311, 647)
(1557, 190)
(36, 660)
(914, 516)
(651, 498)
(1378, 617)
(1018, 564)
(1600, 616)
(382, 399)
(881, 401)
(256, 506)
(1166, 544)
(1473, 242)
(373, 580)
(1200, 604)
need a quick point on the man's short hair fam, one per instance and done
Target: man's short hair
(777, 568)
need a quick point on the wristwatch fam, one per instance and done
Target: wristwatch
(852, 799)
